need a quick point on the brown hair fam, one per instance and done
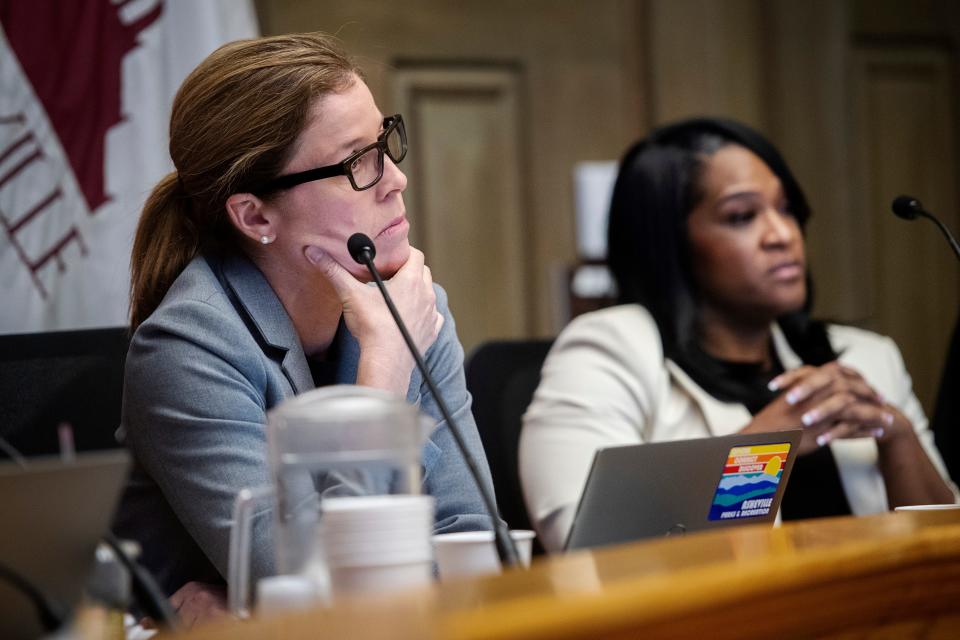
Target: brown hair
(234, 123)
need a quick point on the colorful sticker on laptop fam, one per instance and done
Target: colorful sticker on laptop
(749, 482)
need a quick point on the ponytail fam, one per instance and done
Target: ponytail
(233, 124)
(165, 242)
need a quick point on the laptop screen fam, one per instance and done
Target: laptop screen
(54, 513)
(749, 481)
(666, 488)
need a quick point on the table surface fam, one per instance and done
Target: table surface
(890, 575)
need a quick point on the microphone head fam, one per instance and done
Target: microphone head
(359, 244)
(906, 207)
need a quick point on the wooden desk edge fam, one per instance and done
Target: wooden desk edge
(906, 573)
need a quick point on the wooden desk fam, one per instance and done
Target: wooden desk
(890, 576)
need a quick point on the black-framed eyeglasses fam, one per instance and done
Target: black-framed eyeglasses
(364, 168)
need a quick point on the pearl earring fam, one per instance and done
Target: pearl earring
(265, 239)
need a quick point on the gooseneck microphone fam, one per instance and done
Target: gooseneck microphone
(363, 251)
(909, 208)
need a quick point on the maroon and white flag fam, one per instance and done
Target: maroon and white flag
(85, 93)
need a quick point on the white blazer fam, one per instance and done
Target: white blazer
(606, 383)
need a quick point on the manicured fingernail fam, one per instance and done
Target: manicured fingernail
(810, 417)
(823, 439)
(888, 418)
(878, 433)
(313, 254)
(774, 385)
(796, 395)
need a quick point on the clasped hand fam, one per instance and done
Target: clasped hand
(829, 402)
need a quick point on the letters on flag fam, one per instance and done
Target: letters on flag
(85, 94)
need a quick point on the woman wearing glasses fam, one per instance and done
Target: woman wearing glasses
(243, 294)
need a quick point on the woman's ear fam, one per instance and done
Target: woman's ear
(249, 215)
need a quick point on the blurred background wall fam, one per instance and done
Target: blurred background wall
(503, 97)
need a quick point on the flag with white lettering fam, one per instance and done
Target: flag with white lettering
(86, 88)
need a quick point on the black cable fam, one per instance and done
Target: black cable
(946, 234)
(506, 549)
(145, 589)
(909, 208)
(12, 453)
(51, 613)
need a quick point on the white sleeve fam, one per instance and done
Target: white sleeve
(597, 389)
(906, 400)
(879, 361)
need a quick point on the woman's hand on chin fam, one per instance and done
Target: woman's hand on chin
(385, 361)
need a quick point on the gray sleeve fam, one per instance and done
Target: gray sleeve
(194, 410)
(459, 504)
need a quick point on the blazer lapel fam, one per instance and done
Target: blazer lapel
(264, 314)
(721, 418)
(788, 357)
(725, 418)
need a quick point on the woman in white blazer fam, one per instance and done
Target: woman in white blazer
(713, 337)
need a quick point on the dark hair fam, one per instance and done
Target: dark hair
(648, 251)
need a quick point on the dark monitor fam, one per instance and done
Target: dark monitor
(53, 515)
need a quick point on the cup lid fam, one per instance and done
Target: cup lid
(378, 504)
(336, 424)
(342, 403)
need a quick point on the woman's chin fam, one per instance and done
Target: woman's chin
(787, 307)
(390, 263)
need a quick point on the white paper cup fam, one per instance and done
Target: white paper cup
(473, 553)
(380, 578)
(369, 556)
(927, 507)
(364, 531)
(378, 530)
(378, 505)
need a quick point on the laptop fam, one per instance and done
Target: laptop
(670, 488)
(53, 514)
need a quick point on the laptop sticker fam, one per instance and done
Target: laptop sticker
(749, 481)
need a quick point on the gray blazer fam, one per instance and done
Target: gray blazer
(202, 372)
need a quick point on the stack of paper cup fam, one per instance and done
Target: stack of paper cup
(378, 543)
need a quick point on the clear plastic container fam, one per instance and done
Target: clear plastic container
(333, 441)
